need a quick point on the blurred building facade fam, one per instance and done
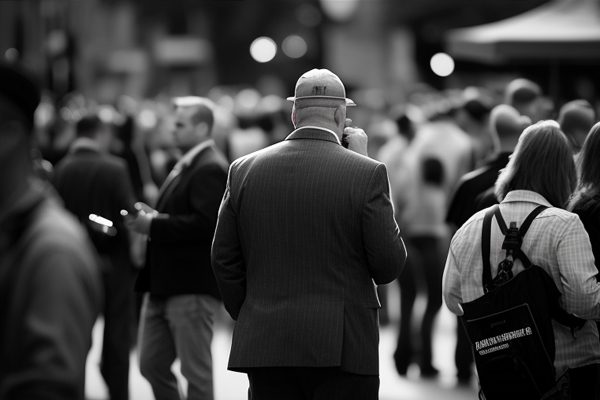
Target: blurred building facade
(103, 48)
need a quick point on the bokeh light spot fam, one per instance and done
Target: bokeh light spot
(147, 119)
(263, 49)
(11, 55)
(294, 46)
(442, 64)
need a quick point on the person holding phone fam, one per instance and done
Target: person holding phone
(305, 233)
(182, 298)
(95, 186)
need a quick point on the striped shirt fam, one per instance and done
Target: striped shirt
(557, 242)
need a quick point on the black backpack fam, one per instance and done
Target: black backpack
(510, 326)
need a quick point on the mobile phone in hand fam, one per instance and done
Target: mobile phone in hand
(101, 224)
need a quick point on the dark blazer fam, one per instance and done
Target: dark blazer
(588, 210)
(304, 229)
(178, 252)
(470, 188)
(91, 182)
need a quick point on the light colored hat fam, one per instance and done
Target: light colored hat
(319, 87)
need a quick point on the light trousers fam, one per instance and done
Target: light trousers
(178, 327)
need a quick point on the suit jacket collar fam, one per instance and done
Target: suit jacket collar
(314, 133)
(192, 155)
(188, 159)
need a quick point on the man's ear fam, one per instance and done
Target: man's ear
(293, 116)
(202, 129)
(339, 115)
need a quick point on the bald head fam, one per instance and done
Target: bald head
(526, 97)
(576, 118)
(332, 118)
(507, 124)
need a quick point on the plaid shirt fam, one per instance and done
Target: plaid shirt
(557, 242)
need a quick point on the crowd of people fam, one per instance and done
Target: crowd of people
(153, 213)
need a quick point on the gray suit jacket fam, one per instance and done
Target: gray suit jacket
(304, 228)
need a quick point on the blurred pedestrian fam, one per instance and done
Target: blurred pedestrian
(441, 137)
(305, 228)
(49, 280)
(426, 233)
(586, 199)
(541, 171)
(95, 187)
(182, 295)
(527, 98)
(576, 118)
(472, 116)
(397, 157)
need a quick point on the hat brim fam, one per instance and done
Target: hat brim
(349, 102)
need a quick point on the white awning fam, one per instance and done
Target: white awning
(562, 29)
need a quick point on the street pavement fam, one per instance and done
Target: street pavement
(233, 386)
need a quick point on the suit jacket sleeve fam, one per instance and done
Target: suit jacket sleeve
(227, 257)
(198, 223)
(384, 247)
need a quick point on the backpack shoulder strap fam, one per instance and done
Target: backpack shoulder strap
(486, 278)
(500, 220)
(532, 215)
(526, 223)
(559, 313)
(523, 229)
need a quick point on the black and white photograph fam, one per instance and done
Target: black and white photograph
(299, 200)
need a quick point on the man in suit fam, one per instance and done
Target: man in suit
(305, 229)
(178, 314)
(91, 181)
(50, 291)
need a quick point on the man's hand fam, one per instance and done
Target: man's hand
(150, 192)
(141, 222)
(355, 138)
